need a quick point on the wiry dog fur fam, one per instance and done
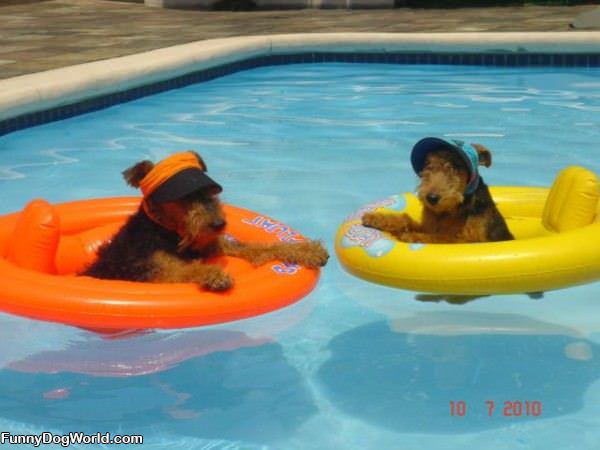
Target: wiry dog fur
(190, 232)
(449, 216)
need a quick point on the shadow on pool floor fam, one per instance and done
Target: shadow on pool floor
(405, 379)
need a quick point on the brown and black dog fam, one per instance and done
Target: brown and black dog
(457, 205)
(179, 226)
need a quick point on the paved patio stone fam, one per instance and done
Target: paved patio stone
(44, 35)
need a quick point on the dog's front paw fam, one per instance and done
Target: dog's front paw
(214, 279)
(311, 254)
(316, 255)
(392, 223)
(372, 220)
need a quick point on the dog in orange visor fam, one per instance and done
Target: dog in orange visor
(179, 227)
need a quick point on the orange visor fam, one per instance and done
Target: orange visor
(176, 176)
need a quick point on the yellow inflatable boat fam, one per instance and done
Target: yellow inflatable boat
(557, 244)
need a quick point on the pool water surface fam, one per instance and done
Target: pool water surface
(355, 365)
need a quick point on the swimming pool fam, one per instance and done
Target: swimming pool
(355, 365)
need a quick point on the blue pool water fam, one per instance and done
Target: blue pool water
(355, 365)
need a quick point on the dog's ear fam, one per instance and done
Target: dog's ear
(137, 172)
(485, 156)
(200, 160)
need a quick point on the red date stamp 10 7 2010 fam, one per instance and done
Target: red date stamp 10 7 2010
(509, 408)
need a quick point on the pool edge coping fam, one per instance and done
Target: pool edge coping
(41, 91)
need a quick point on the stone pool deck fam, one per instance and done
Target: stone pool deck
(42, 35)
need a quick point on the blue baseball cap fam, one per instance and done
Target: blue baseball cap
(466, 151)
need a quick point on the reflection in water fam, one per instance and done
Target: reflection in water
(139, 355)
(462, 299)
(250, 394)
(452, 299)
(230, 383)
(404, 376)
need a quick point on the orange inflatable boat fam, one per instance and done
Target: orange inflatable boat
(44, 246)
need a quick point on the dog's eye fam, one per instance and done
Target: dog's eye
(201, 196)
(191, 197)
(208, 197)
(457, 166)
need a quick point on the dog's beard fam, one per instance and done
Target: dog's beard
(186, 241)
(447, 203)
(448, 189)
(193, 226)
(196, 234)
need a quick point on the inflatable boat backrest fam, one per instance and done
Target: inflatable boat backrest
(573, 200)
(34, 241)
(77, 251)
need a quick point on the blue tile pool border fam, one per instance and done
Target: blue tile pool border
(504, 59)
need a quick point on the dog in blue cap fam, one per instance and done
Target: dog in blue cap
(457, 205)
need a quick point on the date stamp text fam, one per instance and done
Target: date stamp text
(509, 408)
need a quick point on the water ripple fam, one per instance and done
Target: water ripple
(14, 172)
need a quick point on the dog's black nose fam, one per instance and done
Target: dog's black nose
(218, 225)
(432, 199)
